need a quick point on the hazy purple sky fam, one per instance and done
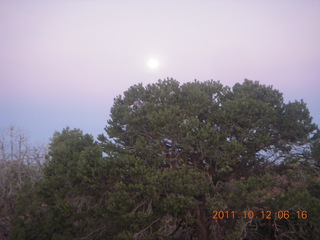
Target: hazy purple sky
(63, 62)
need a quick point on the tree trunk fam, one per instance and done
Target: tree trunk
(201, 222)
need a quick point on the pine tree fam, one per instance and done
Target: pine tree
(247, 144)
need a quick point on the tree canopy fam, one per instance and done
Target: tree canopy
(177, 156)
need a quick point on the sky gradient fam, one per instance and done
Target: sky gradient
(63, 62)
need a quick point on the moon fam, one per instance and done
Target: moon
(153, 63)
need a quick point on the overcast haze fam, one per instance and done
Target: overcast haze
(63, 62)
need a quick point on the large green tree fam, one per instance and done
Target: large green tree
(248, 144)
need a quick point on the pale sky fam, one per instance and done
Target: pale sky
(63, 62)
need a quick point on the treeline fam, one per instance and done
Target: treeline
(193, 161)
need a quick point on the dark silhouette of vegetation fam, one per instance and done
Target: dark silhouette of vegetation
(176, 157)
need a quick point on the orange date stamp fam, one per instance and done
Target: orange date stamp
(282, 214)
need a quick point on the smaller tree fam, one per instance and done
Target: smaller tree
(61, 201)
(19, 163)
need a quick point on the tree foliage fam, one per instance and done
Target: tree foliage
(173, 155)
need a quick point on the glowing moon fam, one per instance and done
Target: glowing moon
(153, 63)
